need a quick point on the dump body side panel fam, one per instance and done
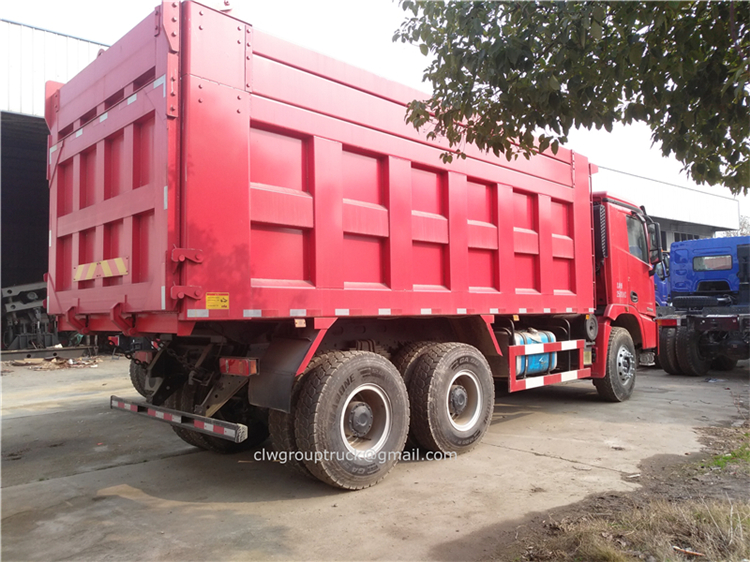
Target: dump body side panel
(349, 211)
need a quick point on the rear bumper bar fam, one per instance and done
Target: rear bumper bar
(235, 432)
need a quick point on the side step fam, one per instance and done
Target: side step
(210, 426)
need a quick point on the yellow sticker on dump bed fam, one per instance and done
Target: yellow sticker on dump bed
(217, 301)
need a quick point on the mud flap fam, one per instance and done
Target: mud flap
(285, 359)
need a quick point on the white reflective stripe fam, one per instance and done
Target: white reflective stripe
(254, 313)
(384, 311)
(161, 81)
(166, 197)
(494, 311)
(521, 311)
(103, 116)
(79, 132)
(568, 309)
(426, 311)
(197, 313)
(535, 382)
(229, 432)
(569, 376)
(592, 310)
(533, 348)
(159, 414)
(567, 345)
(460, 311)
(163, 297)
(341, 312)
(547, 311)
(50, 238)
(51, 151)
(298, 312)
(132, 98)
(208, 427)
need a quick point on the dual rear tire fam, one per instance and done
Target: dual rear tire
(680, 354)
(351, 411)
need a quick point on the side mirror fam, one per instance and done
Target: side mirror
(654, 242)
(659, 268)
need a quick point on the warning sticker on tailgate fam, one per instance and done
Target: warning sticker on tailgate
(217, 301)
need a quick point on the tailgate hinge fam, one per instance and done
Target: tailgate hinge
(183, 291)
(190, 254)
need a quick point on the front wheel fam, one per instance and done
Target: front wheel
(351, 419)
(452, 398)
(619, 381)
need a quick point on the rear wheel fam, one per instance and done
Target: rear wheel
(351, 419)
(407, 357)
(281, 424)
(723, 363)
(405, 361)
(622, 362)
(688, 353)
(138, 376)
(236, 410)
(667, 357)
(452, 398)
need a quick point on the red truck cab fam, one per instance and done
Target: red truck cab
(626, 249)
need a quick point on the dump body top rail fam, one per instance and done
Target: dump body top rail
(201, 169)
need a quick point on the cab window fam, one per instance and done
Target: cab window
(637, 239)
(712, 263)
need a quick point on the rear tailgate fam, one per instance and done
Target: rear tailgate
(113, 170)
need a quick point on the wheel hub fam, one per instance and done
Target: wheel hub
(359, 418)
(458, 399)
(625, 365)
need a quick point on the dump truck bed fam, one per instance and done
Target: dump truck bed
(202, 170)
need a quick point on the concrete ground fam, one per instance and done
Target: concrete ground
(82, 482)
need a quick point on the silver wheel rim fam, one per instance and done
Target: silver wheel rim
(378, 401)
(625, 365)
(467, 419)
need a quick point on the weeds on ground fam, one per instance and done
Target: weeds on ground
(657, 530)
(741, 456)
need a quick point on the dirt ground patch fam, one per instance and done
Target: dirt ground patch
(695, 507)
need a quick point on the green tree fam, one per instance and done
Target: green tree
(515, 77)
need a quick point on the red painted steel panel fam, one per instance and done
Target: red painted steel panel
(113, 178)
(304, 191)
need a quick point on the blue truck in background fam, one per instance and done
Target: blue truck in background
(703, 294)
(661, 281)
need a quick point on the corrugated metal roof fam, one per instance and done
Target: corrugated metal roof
(32, 57)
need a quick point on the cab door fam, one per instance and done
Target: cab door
(640, 283)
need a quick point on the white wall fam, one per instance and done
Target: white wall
(29, 57)
(672, 202)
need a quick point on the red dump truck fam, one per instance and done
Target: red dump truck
(306, 265)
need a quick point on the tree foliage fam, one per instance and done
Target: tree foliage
(744, 229)
(515, 77)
